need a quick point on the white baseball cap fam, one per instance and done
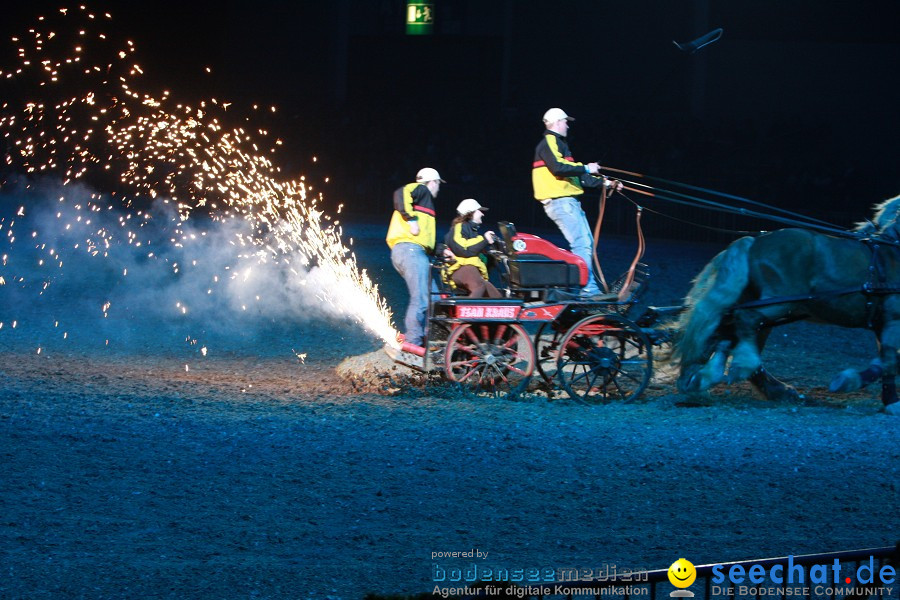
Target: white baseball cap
(428, 174)
(469, 205)
(556, 114)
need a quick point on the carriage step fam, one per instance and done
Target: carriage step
(404, 357)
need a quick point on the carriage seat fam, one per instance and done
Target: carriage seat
(536, 263)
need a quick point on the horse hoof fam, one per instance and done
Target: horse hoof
(690, 380)
(847, 380)
(893, 409)
(689, 385)
(788, 394)
(777, 391)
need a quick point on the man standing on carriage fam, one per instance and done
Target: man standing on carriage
(411, 238)
(558, 180)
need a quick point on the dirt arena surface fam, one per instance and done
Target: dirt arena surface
(249, 472)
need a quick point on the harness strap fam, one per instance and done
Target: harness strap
(629, 279)
(866, 289)
(597, 241)
(799, 298)
(874, 286)
(876, 269)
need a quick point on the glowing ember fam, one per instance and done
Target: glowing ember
(90, 121)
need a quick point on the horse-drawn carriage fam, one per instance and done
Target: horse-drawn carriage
(601, 350)
(595, 350)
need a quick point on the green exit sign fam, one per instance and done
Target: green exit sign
(419, 18)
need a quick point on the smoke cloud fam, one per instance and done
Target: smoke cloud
(80, 272)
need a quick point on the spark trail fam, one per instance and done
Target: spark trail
(86, 119)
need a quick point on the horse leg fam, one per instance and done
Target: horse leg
(850, 380)
(745, 359)
(700, 378)
(888, 342)
(889, 395)
(888, 380)
(772, 388)
(767, 385)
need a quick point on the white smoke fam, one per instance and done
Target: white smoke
(80, 271)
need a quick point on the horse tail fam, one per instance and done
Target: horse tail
(716, 289)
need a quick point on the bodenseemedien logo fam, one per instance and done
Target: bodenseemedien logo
(682, 574)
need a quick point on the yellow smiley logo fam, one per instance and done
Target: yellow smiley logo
(682, 573)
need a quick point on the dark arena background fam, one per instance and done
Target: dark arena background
(195, 292)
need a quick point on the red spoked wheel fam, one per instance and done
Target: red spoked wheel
(603, 358)
(494, 358)
(546, 348)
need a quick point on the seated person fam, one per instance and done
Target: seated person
(469, 271)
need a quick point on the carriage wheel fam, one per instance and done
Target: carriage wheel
(496, 358)
(546, 347)
(604, 357)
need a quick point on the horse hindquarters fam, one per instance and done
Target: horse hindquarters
(715, 291)
(786, 268)
(773, 265)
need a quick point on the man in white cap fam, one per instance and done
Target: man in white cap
(411, 238)
(558, 181)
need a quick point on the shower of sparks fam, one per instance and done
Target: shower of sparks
(90, 121)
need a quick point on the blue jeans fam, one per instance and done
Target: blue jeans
(572, 222)
(413, 264)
